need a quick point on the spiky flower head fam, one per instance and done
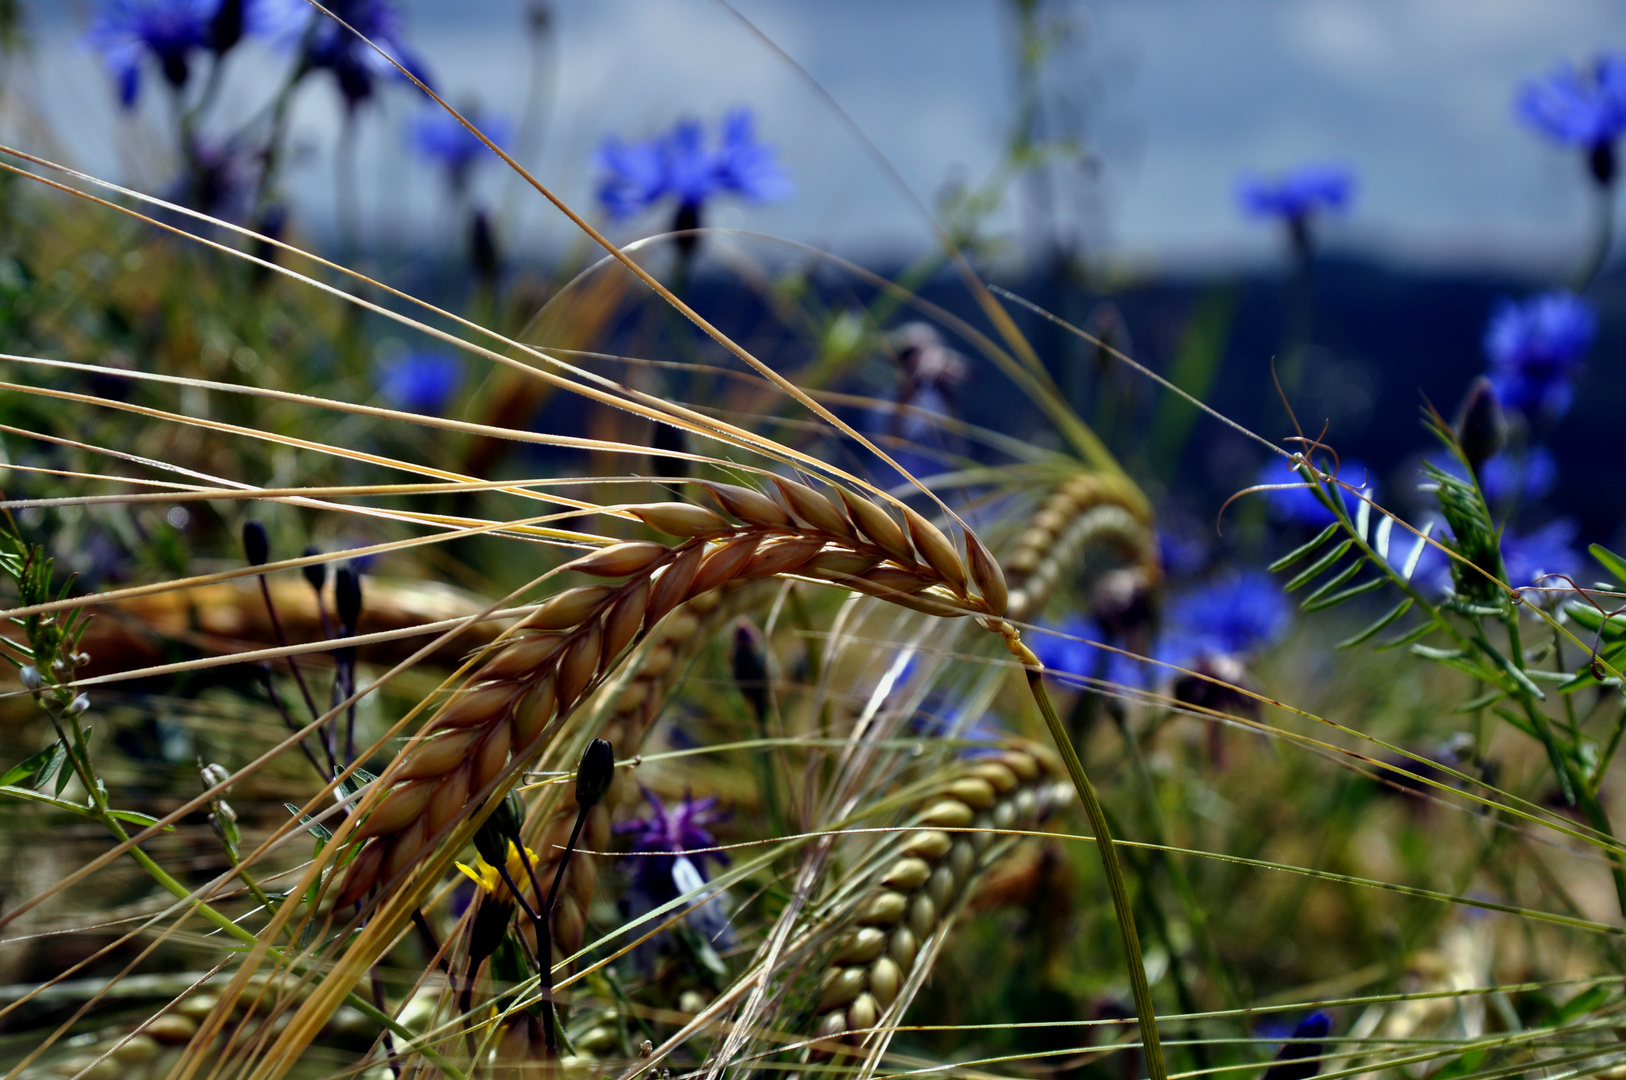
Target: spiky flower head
(1296, 193)
(1234, 616)
(1583, 107)
(659, 839)
(420, 382)
(328, 46)
(679, 164)
(442, 138)
(126, 32)
(1535, 349)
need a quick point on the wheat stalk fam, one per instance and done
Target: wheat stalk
(1085, 509)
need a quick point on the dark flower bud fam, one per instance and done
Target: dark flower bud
(594, 773)
(347, 596)
(670, 440)
(490, 926)
(1481, 427)
(483, 248)
(685, 222)
(226, 28)
(315, 573)
(1223, 690)
(1121, 602)
(256, 545)
(1291, 1063)
(269, 224)
(492, 840)
(749, 661)
(1602, 164)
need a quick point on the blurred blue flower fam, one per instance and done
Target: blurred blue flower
(420, 382)
(1535, 350)
(1519, 478)
(678, 164)
(125, 31)
(438, 136)
(1527, 556)
(1082, 658)
(1233, 616)
(1296, 193)
(667, 834)
(355, 64)
(1299, 505)
(1296, 1059)
(1576, 106)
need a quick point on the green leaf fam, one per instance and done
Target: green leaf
(1300, 552)
(59, 754)
(135, 817)
(1415, 634)
(1489, 697)
(1309, 602)
(1465, 1065)
(29, 766)
(1581, 1004)
(1319, 565)
(312, 826)
(1383, 622)
(1611, 562)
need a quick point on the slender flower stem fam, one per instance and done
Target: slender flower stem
(1151, 1045)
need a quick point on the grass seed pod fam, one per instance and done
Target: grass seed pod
(1000, 776)
(841, 986)
(437, 756)
(448, 801)
(620, 560)
(902, 948)
(723, 563)
(947, 813)
(680, 519)
(885, 977)
(624, 620)
(922, 915)
(780, 556)
(532, 713)
(986, 573)
(521, 658)
(895, 579)
(469, 708)
(862, 1014)
(935, 548)
(973, 791)
(404, 851)
(907, 874)
(491, 755)
(941, 886)
(397, 809)
(814, 508)
(569, 608)
(362, 873)
(928, 844)
(883, 909)
(750, 506)
(833, 1025)
(879, 526)
(835, 564)
(675, 581)
(579, 663)
(861, 946)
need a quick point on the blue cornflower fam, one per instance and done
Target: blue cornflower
(1295, 1060)
(1527, 556)
(1578, 107)
(1519, 478)
(421, 382)
(1299, 505)
(355, 64)
(1234, 616)
(440, 137)
(1297, 193)
(678, 163)
(126, 31)
(664, 837)
(1081, 658)
(1535, 351)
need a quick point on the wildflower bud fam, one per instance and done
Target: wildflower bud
(214, 775)
(59, 667)
(256, 545)
(315, 573)
(1121, 603)
(1219, 684)
(1481, 427)
(79, 659)
(686, 222)
(31, 677)
(670, 440)
(77, 705)
(347, 596)
(483, 248)
(491, 841)
(1291, 1060)
(490, 926)
(224, 812)
(226, 28)
(1602, 164)
(594, 773)
(749, 661)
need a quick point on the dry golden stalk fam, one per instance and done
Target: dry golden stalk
(514, 702)
(929, 872)
(1087, 508)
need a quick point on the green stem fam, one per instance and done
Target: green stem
(1151, 1045)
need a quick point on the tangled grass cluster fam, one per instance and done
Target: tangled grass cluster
(688, 741)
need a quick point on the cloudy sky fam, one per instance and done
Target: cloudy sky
(1173, 97)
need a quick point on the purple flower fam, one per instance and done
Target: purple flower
(1535, 350)
(660, 839)
(126, 31)
(421, 382)
(1299, 505)
(440, 137)
(1296, 193)
(1583, 107)
(355, 64)
(1235, 616)
(1296, 1060)
(678, 163)
(1527, 556)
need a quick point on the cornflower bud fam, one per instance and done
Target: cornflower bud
(347, 596)
(1481, 427)
(256, 545)
(594, 773)
(491, 841)
(315, 573)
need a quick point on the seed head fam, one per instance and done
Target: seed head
(347, 596)
(594, 773)
(256, 545)
(315, 573)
